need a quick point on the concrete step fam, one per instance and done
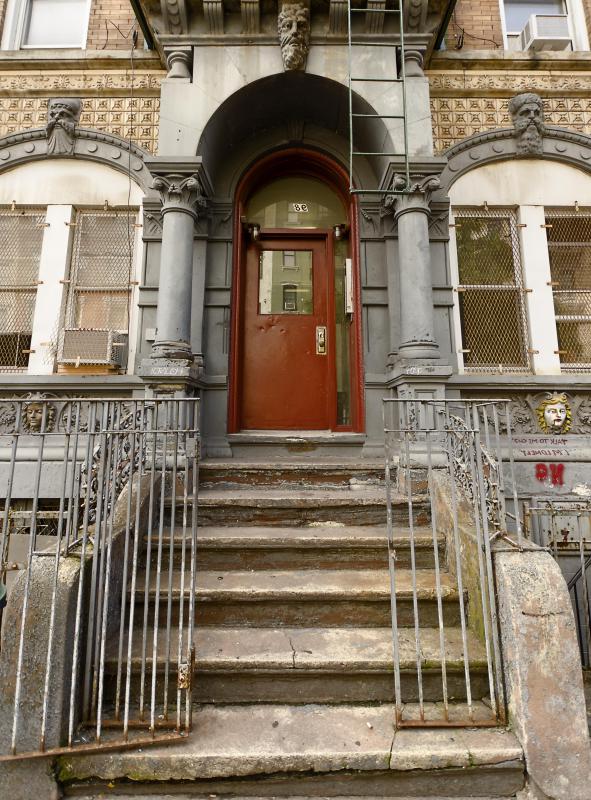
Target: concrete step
(315, 665)
(294, 506)
(318, 546)
(307, 597)
(311, 750)
(304, 474)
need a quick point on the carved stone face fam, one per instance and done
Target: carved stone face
(555, 416)
(527, 115)
(293, 25)
(63, 109)
(33, 417)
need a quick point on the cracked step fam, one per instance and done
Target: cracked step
(329, 665)
(271, 750)
(316, 546)
(307, 597)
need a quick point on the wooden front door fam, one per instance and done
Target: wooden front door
(287, 342)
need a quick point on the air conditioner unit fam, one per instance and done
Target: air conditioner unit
(546, 32)
(93, 346)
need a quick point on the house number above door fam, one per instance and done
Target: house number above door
(301, 208)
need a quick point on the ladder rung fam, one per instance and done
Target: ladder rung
(375, 191)
(373, 44)
(375, 10)
(362, 153)
(378, 80)
(380, 116)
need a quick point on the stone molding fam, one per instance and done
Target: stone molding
(180, 193)
(559, 144)
(179, 61)
(174, 16)
(105, 148)
(416, 198)
(415, 15)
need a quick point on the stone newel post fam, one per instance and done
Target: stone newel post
(411, 212)
(182, 199)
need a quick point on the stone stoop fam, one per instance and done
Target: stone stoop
(293, 684)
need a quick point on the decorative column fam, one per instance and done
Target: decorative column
(183, 202)
(411, 213)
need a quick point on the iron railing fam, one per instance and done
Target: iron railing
(97, 636)
(451, 449)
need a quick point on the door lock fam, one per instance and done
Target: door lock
(320, 340)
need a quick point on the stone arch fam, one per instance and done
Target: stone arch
(559, 144)
(288, 110)
(98, 146)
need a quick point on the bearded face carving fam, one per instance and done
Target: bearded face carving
(293, 25)
(63, 114)
(527, 115)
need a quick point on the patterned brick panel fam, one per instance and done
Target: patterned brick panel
(465, 103)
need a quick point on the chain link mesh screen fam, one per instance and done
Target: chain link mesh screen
(21, 234)
(569, 249)
(491, 292)
(101, 270)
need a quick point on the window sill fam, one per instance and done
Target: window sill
(76, 58)
(510, 59)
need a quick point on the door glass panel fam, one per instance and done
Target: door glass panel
(296, 203)
(285, 282)
(343, 324)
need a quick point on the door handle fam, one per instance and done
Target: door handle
(321, 340)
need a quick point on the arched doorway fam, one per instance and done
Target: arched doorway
(295, 352)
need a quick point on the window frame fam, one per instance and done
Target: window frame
(577, 26)
(15, 25)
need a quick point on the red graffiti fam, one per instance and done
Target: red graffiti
(550, 472)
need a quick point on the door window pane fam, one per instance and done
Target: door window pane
(55, 23)
(285, 282)
(296, 203)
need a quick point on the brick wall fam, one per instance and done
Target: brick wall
(110, 23)
(479, 22)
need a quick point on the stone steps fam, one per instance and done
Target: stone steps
(313, 750)
(317, 546)
(303, 665)
(300, 507)
(264, 598)
(329, 474)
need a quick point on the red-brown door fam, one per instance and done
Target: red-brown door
(287, 352)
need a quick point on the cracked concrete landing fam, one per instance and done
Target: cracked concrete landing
(269, 739)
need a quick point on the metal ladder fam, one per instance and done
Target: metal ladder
(377, 7)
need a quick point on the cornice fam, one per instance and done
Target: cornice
(29, 60)
(503, 60)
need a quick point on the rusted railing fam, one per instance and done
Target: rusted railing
(97, 643)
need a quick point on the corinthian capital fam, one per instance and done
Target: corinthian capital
(180, 193)
(412, 196)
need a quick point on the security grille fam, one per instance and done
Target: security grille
(21, 234)
(491, 293)
(569, 249)
(101, 270)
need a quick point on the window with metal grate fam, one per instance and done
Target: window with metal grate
(21, 234)
(569, 249)
(101, 270)
(491, 293)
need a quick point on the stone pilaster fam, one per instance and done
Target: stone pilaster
(411, 213)
(181, 190)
